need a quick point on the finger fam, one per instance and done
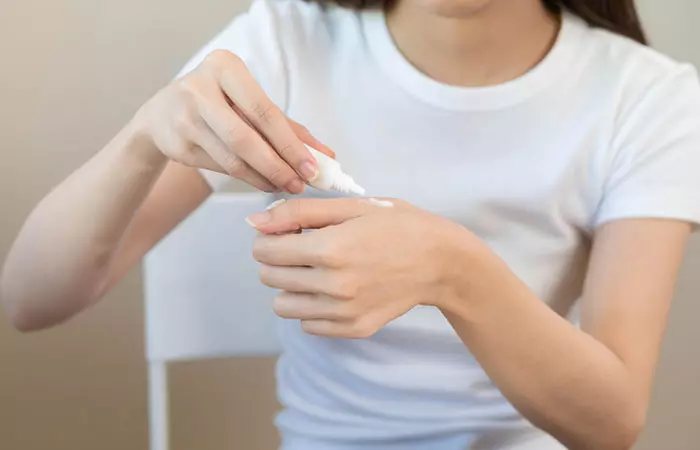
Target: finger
(240, 86)
(287, 250)
(307, 138)
(292, 305)
(294, 248)
(309, 213)
(244, 144)
(294, 279)
(338, 329)
(209, 143)
(198, 158)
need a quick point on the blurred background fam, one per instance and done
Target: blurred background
(73, 72)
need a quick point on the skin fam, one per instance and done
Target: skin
(473, 42)
(98, 223)
(589, 388)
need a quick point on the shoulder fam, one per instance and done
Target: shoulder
(633, 72)
(649, 167)
(293, 20)
(271, 34)
(271, 31)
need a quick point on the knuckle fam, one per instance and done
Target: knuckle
(192, 91)
(286, 151)
(183, 86)
(258, 250)
(327, 257)
(362, 328)
(309, 327)
(188, 85)
(223, 58)
(345, 288)
(265, 275)
(348, 311)
(266, 112)
(278, 175)
(181, 152)
(233, 165)
(330, 254)
(280, 305)
(183, 122)
(237, 137)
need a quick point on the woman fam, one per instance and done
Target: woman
(543, 157)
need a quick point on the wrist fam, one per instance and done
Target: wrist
(138, 143)
(471, 271)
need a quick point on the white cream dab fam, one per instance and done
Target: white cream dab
(381, 203)
(275, 204)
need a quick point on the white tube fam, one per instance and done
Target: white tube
(331, 176)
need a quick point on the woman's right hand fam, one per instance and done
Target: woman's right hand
(218, 118)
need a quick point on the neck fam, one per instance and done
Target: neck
(495, 44)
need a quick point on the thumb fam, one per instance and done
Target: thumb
(284, 216)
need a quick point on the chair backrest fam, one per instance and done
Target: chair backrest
(203, 295)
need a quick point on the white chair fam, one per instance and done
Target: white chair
(204, 298)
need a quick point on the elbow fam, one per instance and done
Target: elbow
(627, 422)
(26, 314)
(35, 296)
(620, 431)
(26, 320)
(18, 317)
(9, 307)
(624, 435)
(630, 428)
(22, 321)
(16, 311)
(21, 317)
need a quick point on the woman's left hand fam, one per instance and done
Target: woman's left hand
(365, 263)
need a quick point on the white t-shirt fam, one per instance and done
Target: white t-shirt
(602, 129)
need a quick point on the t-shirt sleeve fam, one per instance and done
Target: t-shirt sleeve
(655, 170)
(253, 36)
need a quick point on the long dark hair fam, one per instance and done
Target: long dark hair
(619, 16)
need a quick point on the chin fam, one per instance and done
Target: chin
(453, 8)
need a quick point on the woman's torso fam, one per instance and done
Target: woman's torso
(523, 166)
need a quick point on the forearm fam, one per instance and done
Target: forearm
(560, 378)
(63, 251)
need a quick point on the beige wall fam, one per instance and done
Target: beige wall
(73, 71)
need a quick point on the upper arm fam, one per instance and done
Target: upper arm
(629, 287)
(650, 196)
(177, 193)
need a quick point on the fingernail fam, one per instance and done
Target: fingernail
(258, 219)
(309, 171)
(295, 187)
(275, 204)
